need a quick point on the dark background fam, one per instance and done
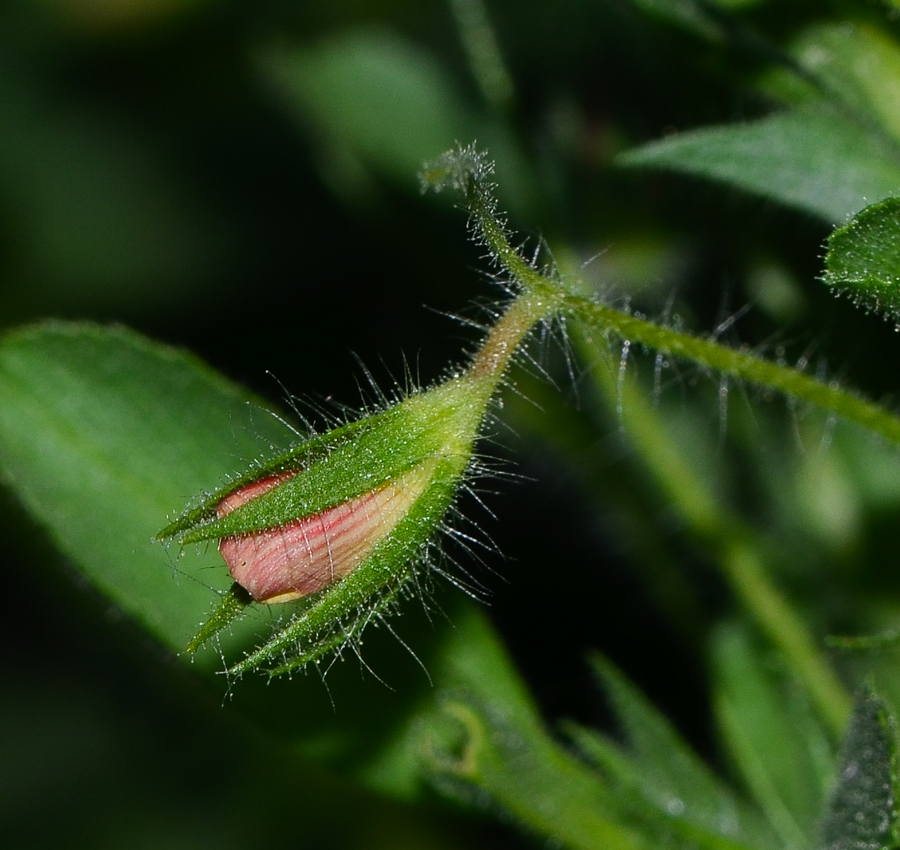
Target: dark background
(152, 174)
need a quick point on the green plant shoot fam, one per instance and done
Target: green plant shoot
(345, 520)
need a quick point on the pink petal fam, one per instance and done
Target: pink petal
(309, 554)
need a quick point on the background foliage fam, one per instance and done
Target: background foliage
(239, 179)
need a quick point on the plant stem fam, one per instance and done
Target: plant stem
(468, 171)
(732, 543)
(736, 363)
(507, 335)
(741, 563)
(485, 59)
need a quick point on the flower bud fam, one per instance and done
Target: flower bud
(305, 556)
(342, 520)
(342, 517)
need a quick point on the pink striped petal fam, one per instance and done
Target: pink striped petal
(311, 553)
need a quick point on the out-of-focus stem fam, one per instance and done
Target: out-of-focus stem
(732, 544)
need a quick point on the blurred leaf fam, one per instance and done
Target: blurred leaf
(863, 259)
(376, 97)
(659, 767)
(469, 660)
(862, 809)
(857, 64)
(815, 160)
(539, 784)
(103, 434)
(377, 101)
(774, 740)
(483, 740)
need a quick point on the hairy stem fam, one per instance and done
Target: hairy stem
(734, 545)
(735, 363)
(708, 353)
(507, 335)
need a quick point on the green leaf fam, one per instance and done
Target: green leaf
(662, 770)
(489, 737)
(862, 809)
(816, 160)
(859, 65)
(863, 259)
(103, 434)
(377, 102)
(775, 743)
(376, 97)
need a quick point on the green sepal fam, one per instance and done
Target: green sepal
(347, 462)
(293, 460)
(233, 603)
(340, 612)
(434, 430)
